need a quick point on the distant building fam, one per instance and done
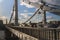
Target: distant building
(4, 19)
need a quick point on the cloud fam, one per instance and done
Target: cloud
(25, 10)
(3, 17)
(33, 0)
(27, 5)
(49, 17)
(25, 16)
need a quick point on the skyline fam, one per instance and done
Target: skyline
(24, 11)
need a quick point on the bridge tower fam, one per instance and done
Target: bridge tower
(44, 17)
(16, 12)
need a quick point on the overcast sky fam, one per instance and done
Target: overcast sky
(25, 12)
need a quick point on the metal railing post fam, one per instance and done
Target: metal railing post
(55, 34)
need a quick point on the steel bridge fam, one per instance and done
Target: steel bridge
(16, 32)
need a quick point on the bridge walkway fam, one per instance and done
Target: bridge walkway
(29, 33)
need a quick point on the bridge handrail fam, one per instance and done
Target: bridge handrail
(37, 28)
(40, 33)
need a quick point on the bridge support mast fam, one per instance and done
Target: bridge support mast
(16, 12)
(43, 8)
(44, 17)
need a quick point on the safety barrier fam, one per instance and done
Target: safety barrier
(39, 33)
(21, 35)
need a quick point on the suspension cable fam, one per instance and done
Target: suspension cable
(11, 15)
(32, 15)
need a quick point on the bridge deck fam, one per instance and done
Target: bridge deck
(36, 33)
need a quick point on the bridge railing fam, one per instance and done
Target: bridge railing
(41, 33)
